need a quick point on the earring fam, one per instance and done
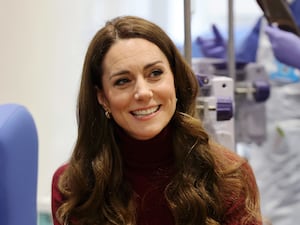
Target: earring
(107, 114)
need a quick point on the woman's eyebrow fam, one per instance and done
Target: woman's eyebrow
(118, 73)
(152, 64)
(123, 72)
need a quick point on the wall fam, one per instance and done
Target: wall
(42, 46)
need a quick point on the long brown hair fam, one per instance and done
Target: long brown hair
(93, 185)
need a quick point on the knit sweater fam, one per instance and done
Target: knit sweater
(147, 168)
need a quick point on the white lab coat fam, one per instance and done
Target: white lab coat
(276, 163)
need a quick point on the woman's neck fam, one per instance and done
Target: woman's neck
(146, 154)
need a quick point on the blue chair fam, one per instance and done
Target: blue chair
(18, 166)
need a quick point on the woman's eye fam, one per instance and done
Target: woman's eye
(156, 73)
(121, 81)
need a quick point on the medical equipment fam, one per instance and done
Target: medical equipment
(251, 90)
(215, 106)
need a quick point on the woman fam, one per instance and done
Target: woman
(142, 155)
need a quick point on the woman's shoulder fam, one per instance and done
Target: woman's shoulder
(58, 172)
(231, 163)
(55, 178)
(226, 155)
(239, 186)
(56, 196)
(229, 160)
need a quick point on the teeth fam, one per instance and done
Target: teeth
(145, 111)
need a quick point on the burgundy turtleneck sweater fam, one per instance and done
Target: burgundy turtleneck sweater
(148, 168)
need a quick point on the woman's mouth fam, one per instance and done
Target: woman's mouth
(145, 112)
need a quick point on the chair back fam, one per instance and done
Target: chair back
(18, 166)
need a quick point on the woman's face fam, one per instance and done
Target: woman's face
(138, 87)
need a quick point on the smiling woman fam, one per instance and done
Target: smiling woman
(138, 87)
(142, 155)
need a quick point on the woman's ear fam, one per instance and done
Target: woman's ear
(102, 99)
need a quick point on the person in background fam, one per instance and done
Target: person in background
(142, 155)
(285, 45)
(216, 47)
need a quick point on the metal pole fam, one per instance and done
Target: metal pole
(187, 31)
(231, 51)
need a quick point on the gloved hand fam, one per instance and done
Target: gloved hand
(286, 46)
(213, 48)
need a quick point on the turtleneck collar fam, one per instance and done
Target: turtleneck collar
(146, 154)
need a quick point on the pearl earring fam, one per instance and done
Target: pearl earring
(107, 114)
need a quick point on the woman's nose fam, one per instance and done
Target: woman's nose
(142, 90)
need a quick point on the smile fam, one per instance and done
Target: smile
(145, 112)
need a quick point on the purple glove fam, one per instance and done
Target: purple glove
(286, 46)
(213, 48)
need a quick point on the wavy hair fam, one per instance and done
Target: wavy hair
(93, 185)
